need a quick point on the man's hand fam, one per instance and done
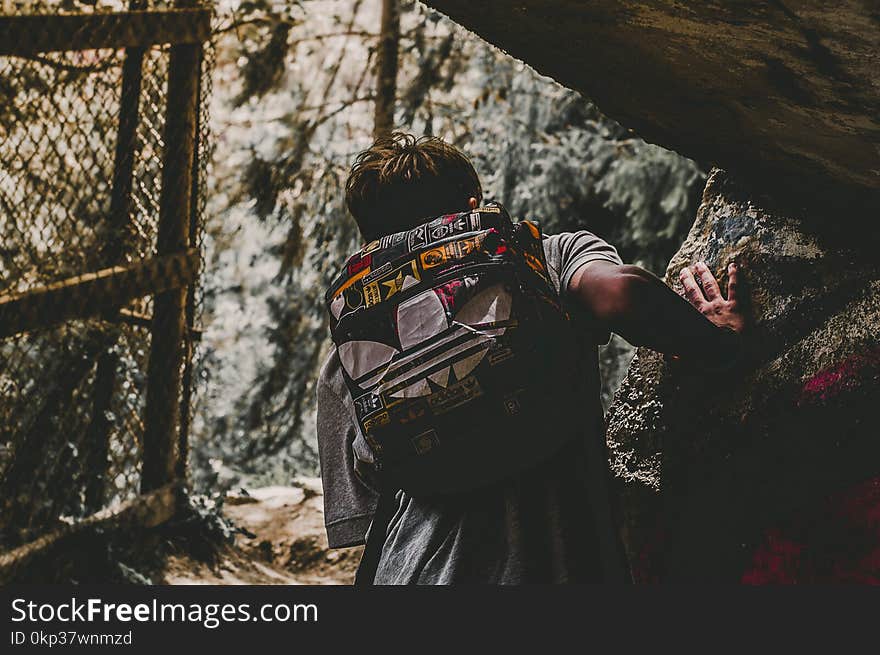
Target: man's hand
(643, 310)
(709, 301)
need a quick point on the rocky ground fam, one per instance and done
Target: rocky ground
(285, 543)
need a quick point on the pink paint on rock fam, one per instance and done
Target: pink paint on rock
(846, 375)
(837, 542)
(776, 561)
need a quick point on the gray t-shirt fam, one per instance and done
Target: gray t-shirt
(553, 523)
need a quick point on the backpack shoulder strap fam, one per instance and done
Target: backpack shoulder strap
(369, 564)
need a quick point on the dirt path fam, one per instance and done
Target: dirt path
(288, 546)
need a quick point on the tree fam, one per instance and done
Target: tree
(386, 68)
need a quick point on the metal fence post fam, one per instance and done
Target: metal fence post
(167, 349)
(120, 224)
(194, 231)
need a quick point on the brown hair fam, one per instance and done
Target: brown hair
(400, 181)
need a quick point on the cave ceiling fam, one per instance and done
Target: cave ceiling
(786, 95)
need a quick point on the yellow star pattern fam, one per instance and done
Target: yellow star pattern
(394, 285)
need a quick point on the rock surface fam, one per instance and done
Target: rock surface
(785, 95)
(771, 473)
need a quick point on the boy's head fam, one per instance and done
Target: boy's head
(400, 181)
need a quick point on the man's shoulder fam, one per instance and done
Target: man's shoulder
(559, 243)
(582, 238)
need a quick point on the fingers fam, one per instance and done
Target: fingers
(731, 281)
(691, 288)
(710, 284)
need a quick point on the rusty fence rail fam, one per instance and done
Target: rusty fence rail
(102, 180)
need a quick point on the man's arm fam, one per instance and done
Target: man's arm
(348, 502)
(638, 306)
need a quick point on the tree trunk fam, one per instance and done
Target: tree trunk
(386, 68)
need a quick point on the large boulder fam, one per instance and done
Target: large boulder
(770, 473)
(786, 95)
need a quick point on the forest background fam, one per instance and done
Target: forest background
(300, 87)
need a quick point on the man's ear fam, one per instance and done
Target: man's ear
(472, 202)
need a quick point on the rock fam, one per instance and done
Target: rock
(614, 359)
(786, 95)
(771, 473)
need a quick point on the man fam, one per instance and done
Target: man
(554, 522)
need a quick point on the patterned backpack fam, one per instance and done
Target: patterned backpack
(456, 351)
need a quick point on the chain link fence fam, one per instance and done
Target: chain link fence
(100, 248)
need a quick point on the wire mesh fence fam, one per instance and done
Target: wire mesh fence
(100, 244)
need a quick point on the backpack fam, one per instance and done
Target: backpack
(456, 350)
